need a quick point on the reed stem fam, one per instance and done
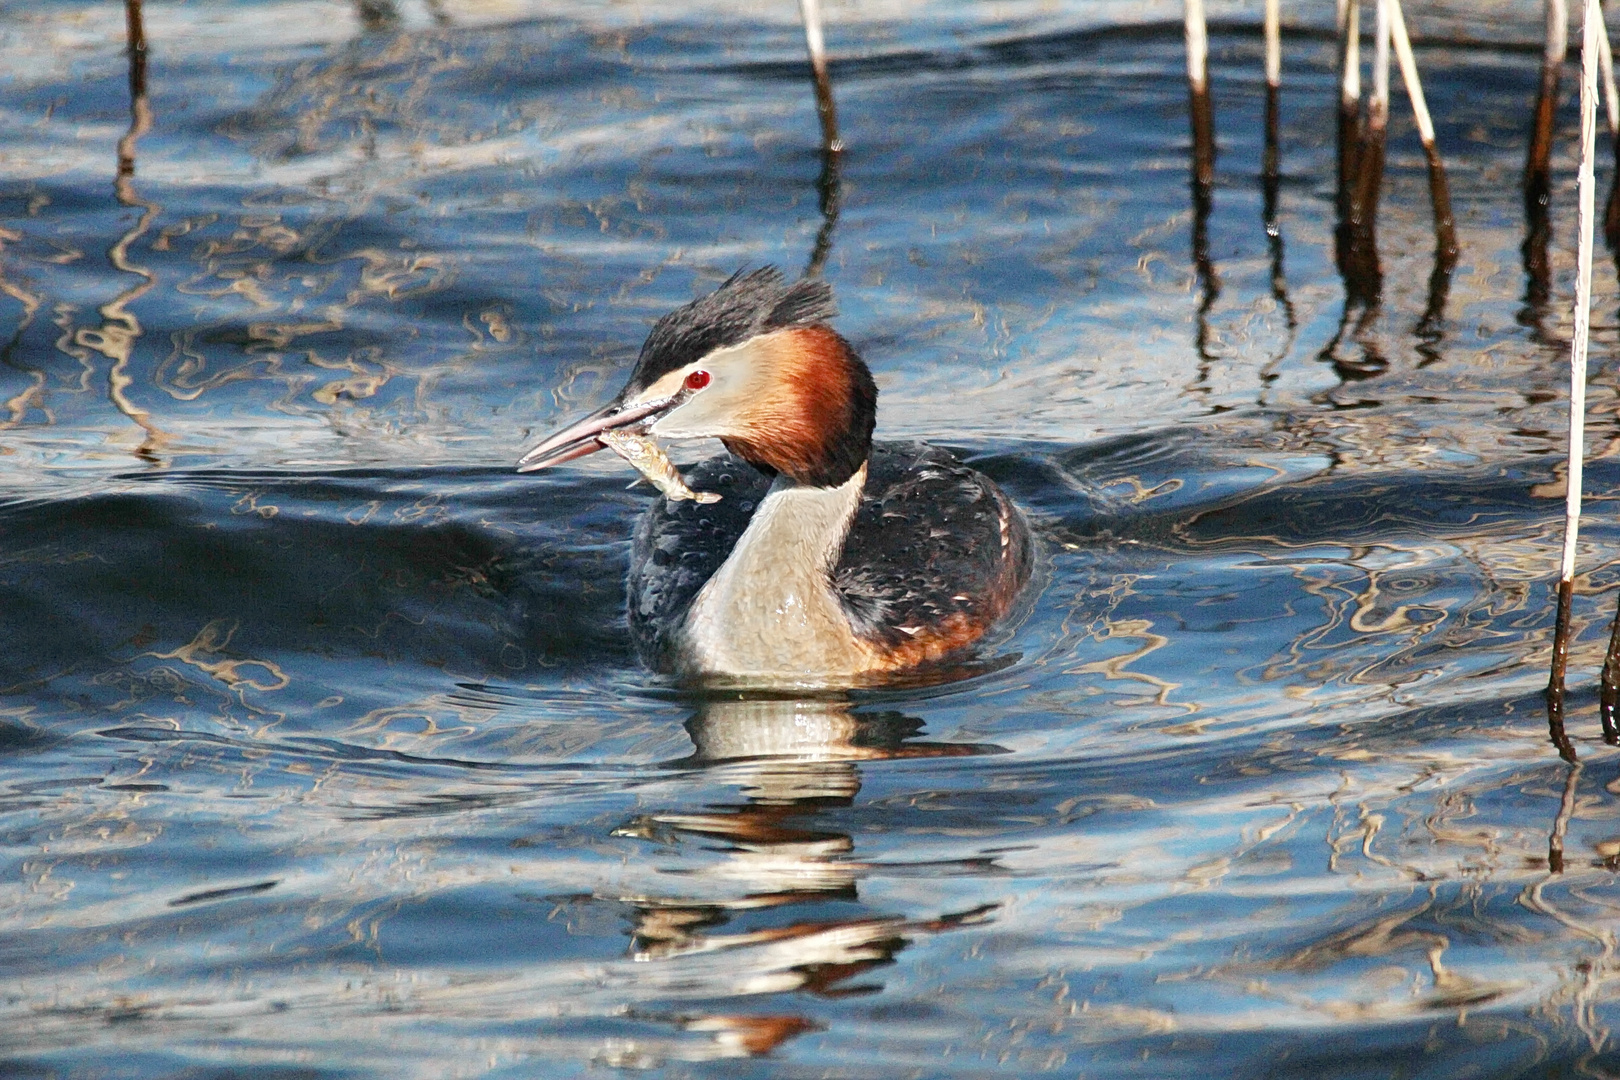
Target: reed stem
(825, 109)
(1586, 203)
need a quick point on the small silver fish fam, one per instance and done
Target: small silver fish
(650, 461)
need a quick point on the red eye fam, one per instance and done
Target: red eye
(697, 380)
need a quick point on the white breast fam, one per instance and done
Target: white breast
(769, 613)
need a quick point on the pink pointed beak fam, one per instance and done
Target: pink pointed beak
(580, 438)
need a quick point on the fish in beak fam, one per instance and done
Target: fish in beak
(623, 428)
(584, 436)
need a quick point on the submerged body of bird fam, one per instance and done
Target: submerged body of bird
(649, 459)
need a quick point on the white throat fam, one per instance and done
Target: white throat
(769, 612)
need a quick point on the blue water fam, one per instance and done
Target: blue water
(323, 750)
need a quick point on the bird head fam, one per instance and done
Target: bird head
(753, 364)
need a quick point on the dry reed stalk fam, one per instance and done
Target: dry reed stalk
(811, 12)
(1586, 204)
(1203, 109)
(1273, 43)
(1445, 230)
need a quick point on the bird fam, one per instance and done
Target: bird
(829, 560)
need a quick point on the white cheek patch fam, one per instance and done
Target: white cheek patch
(738, 377)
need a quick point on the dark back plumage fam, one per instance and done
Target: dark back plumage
(934, 545)
(748, 304)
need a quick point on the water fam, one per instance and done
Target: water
(324, 752)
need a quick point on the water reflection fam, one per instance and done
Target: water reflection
(120, 329)
(783, 863)
(1271, 189)
(324, 744)
(1201, 112)
(32, 394)
(1538, 162)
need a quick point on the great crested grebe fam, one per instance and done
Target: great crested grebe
(828, 559)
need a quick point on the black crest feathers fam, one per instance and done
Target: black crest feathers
(748, 304)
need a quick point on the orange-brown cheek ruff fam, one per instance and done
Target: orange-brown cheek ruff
(813, 422)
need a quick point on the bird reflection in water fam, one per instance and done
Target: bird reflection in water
(793, 760)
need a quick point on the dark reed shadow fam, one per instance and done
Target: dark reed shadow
(1566, 810)
(1538, 175)
(120, 329)
(1201, 112)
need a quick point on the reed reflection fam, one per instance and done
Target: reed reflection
(1270, 192)
(779, 911)
(1566, 809)
(120, 329)
(1538, 172)
(829, 200)
(1201, 110)
(32, 395)
(1360, 170)
(1271, 186)
(1362, 142)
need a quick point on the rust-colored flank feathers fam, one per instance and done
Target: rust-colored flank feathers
(946, 556)
(962, 628)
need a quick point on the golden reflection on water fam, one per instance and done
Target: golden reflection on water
(304, 828)
(775, 858)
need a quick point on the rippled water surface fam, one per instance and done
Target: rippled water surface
(323, 750)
